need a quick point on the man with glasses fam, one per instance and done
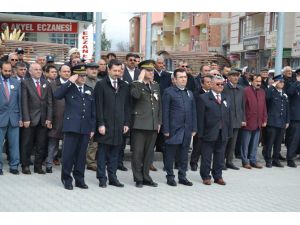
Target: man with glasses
(131, 73)
(78, 126)
(182, 64)
(20, 52)
(214, 129)
(102, 69)
(13, 59)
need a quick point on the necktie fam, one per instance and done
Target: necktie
(218, 99)
(80, 90)
(6, 89)
(38, 88)
(115, 84)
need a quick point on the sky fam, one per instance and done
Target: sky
(116, 27)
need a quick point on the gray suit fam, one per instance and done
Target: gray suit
(146, 117)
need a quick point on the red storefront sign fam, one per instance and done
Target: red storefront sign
(36, 27)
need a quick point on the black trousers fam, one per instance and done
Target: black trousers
(34, 137)
(182, 152)
(217, 150)
(142, 146)
(195, 156)
(230, 148)
(74, 157)
(273, 141)
(293, 141)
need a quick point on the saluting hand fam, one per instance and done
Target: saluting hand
(101, 130)
(142, 75)
(73, 78)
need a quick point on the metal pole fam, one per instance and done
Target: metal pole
(279, 47)
(98, 36)
(148, 35)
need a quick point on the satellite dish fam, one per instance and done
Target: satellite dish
(204, 30)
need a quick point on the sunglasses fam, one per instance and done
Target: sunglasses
(132, 60)
(82, 75)
(14, 60)
(220, 84)
(184, 66)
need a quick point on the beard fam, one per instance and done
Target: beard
(5, 76)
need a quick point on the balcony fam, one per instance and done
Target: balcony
(253, 32)
(185, 24)
(200, 18)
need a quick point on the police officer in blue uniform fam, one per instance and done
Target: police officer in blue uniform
(293, 139)
(78, 126)
(278, 121)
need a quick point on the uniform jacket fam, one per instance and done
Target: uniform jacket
(36, 109)
(237, 106)
(164, 80)
(112, 110)
(58, 106)
(294, 97)
(278, 108)
(147, 112)
(126, 76)
(10, 110)
(79, 115)
(255, 108)
(179, 115)
(212, 116)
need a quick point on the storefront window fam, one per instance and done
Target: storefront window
(30, 37)
(68, 39)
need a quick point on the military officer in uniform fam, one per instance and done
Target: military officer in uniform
(78, 126)
(91, 80)
(146, 121)
(278, 121)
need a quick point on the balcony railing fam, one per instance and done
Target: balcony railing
(167, 28)
(252, 32)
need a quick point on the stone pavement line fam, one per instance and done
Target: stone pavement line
(246, 190)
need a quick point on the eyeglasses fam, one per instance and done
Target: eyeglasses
(14, 60)
(131, 60)
(220, 84)
(217, 74)
(183, 66)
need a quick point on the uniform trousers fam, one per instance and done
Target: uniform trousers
(273, 141)
(142, 146)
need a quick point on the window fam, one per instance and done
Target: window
(30, 37)
(242, 29)
(273, 21)
(68, 39)
(184, 15)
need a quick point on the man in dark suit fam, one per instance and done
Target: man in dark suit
(37, 117)
(180, 124)
(205, 86)
(146, 121)
(78, 126)
(10, 116)
(112, 112)
(278, 121)
(55, 134)
(214, 128)
(131, 73)
(163, 78)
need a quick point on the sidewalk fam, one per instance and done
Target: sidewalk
(275, 189)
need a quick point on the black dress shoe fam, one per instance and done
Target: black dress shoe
(281, 158)
(39, 171)
(1, 172)
(116, 183)
(14, 171)
(49, 170)
(82, 186)
(186, 182)
(150, 183)
(232, 166)
(68, 186)
(139, 184)
(291, 164)
(269, 165)
(194, 167)
(276, 163)
(152, 168)
(176, 166)
(122, 168)
(102, 185)
(172, 183)
(26, 170)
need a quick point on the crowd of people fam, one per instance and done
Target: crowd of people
(96, 108)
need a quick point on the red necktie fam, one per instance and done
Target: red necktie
(218, 99)
(38, 88)
(6, 89)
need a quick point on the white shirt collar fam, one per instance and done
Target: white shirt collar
(62, 80)
(215, 94)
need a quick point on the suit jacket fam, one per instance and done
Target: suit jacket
(212, 116)
(79, 114)
(58, 106)
(147, 112)
(164, 80)
(179, 115)
(10, 110)
(255, 108)
(278, 108)
(112, 111)
(36, 109)
(294, 97)
(127, 78)
(243, 81)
